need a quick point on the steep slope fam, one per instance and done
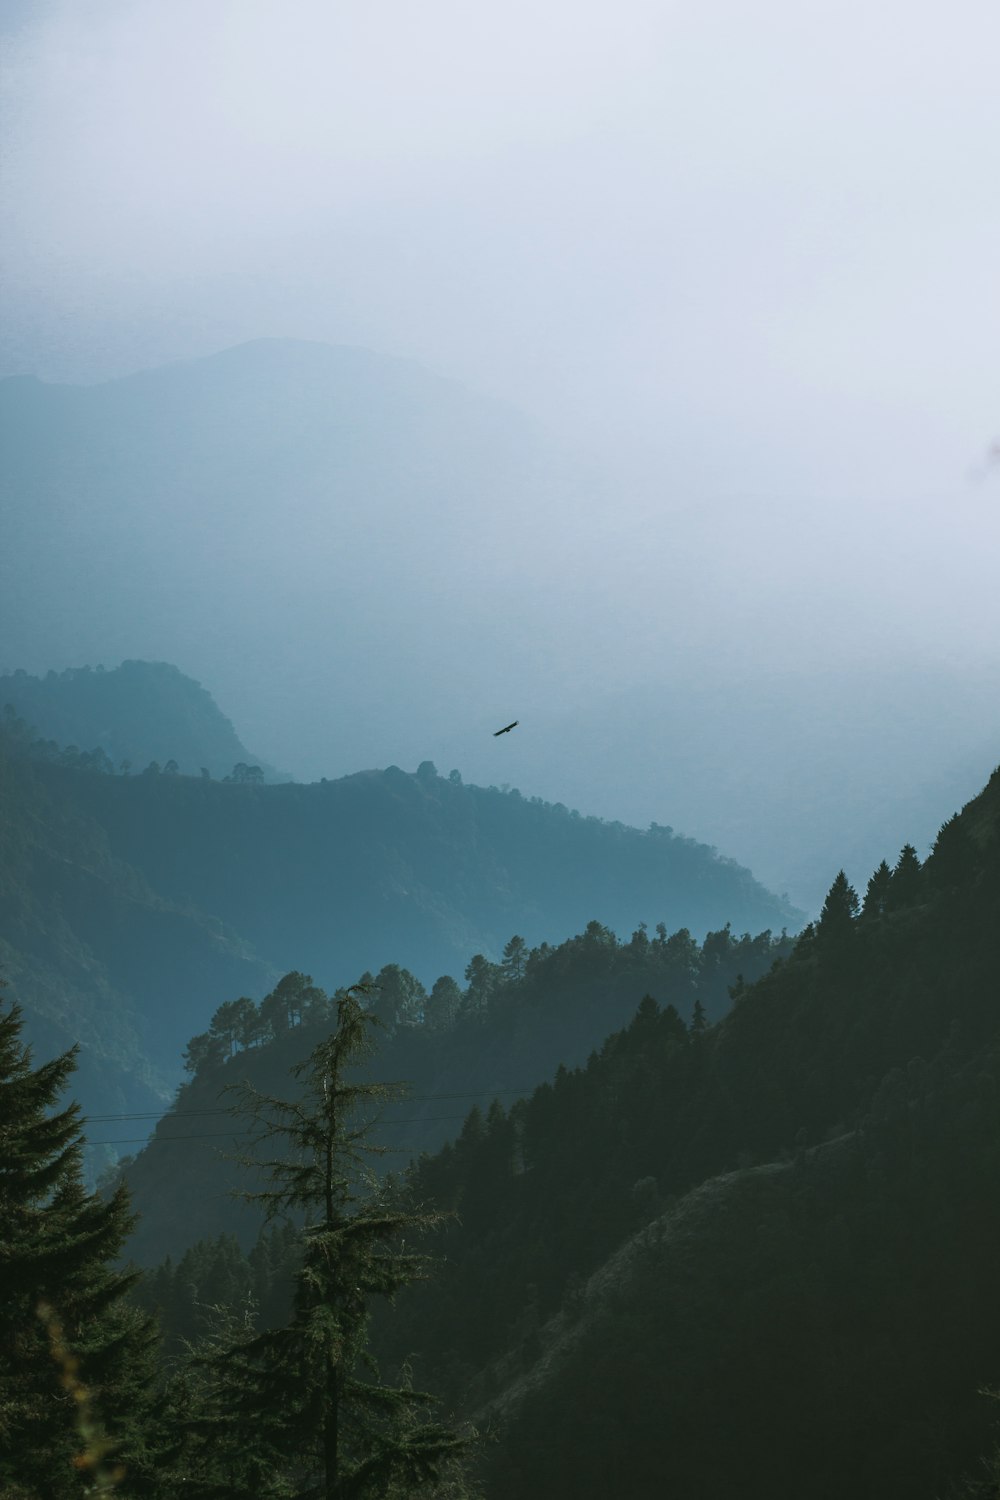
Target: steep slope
(372, 565)
(135, 904)
(515, 1025)
(337, 524)
(753, 1258)
(757, 1258)
(811, 1327)
(342, 876)
(134, 714)
(95, 956)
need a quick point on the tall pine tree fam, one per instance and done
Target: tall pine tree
(835, 928)
(877, 894)
(307, 1393)
(75, 1363)
(906, 887)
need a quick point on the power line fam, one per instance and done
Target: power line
(177, 1114)
(208, 1135)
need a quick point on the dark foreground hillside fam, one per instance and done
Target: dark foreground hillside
(752, 1257)
(759, 1258)
(97, 957)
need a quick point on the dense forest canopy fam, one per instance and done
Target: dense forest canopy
(507, 1029)
(128, 717)
(498, 608)
(743, 1247)
(135, 898)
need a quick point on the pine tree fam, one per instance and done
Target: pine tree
(294, 1001)
(443, 1004)
(515, 956)
(906, 886)
(482, 978)
(307, 1392)
(75, 1363)
(399, 997)
(953, 859)
(835, 927)
(877, 894)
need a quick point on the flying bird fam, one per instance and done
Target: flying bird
(506, 729)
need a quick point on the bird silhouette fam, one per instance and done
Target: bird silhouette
(506, 729)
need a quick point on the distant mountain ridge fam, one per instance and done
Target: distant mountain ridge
(335, 877)
(279, 500)
(97, 958)
(371, 564)
(135, 713)
(134, 904)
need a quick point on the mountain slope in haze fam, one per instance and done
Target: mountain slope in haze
(387, 866)
(157, 896)
(136, 713)
(96, 957)
(343, 526)
(372, 565)
(835, 765)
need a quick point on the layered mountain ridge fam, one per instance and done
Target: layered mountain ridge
(372, 565)
(754, 1256)
(156, 896)
(134, 714)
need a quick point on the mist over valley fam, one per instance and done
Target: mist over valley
(499, 738)
(367, 564)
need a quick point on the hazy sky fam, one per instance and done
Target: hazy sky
(744, 256)
(759, 242)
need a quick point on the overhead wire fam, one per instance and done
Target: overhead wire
(235, 1134)
(177, 1114)
(232, 1135)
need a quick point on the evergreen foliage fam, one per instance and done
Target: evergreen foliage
(98, 958)
(836, 920)
(301, 1401)
(787, 1215)
(568, 999)
(185, 1295)
(790, 1220)
(138, 713)
(747, 1244)
(877, 893)
(132, 904)
(906, 885)
(76, 1362)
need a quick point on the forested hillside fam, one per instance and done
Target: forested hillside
(136, 903)
(128, 717)
(98, 958)
(496, 619)
(508, 1028)
(803, 1204)
(389, 866)
(755, 1255)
